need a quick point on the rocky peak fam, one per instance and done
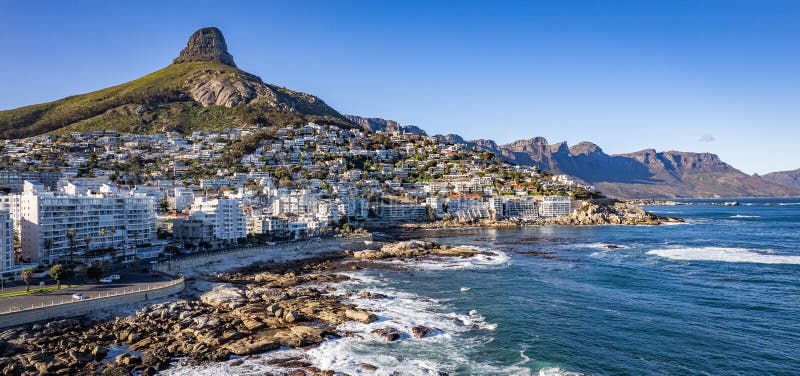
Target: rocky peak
(206, 44)
(586, 148)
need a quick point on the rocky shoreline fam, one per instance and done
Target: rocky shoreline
(260, 308)
(590, 213)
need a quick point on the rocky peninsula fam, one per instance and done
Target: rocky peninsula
(256, 309)
(589, 213)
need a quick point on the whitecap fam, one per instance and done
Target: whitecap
(555, 371)
(745, 216)
(722, 254)
(465, 289)
(600, 246)
(495, 259)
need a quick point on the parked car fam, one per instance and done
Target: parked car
(106, 280)
(78, 296)
(114, 276)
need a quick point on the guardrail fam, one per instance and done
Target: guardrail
(101, 295)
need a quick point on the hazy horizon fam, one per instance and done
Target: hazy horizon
(719, 77)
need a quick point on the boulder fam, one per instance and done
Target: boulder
(370, 254)
(387, 333)
(99, 352)
(362, 316)
(291, 316)
(224, 296)
(367, 366)
(258, 343)
(421, 331)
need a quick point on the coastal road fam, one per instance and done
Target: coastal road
(92, 291)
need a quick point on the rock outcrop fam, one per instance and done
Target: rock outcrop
(383, 125)
(608, 211)
(415, 249)
(206, 44)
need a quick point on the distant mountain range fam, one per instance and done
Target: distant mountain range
(789, 179)
(643, 174)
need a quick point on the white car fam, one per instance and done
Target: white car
(114, 276)
(106, 280)
(78, 296)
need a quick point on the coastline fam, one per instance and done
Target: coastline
(227, 316)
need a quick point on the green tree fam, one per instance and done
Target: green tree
(57, 272)
(27, 274)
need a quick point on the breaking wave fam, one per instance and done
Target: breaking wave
(722, 254)
(495, 259)
(445, 350)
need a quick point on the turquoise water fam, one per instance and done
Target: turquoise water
(719, 295)
(649, 307)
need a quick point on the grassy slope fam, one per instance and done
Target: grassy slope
(163, 93)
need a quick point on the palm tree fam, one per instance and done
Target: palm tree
(26, 276)
(102, 234)
(87, 240)
(48, 246)
(71, 237)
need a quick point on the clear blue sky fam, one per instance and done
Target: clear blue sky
(717, 76)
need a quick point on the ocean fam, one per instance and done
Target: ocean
(717, 295)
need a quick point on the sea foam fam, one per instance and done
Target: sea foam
(724, 255)
(480, 261)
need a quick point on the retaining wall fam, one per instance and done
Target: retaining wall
(83, 307)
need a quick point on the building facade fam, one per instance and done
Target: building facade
(226, 215)
(6, 242)
(55, 225)
(555, 206)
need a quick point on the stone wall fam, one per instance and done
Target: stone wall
(78, 308)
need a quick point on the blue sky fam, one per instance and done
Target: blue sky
(716, 76)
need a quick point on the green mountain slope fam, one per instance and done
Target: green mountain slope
(192, 94)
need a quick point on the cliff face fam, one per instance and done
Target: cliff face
(206, 44)
(383, 125)
(643, 174)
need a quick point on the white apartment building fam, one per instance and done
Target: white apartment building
(401, 212)
(6, 242)
(226, 215)
(10, 203)
(354, 207)
(525, 208)
(55, 224)
(184, 198)
(555, 206)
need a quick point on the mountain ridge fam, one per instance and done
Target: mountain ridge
(785, 178)
(645, 173)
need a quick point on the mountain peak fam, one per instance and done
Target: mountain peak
(206, 44)
(585, 147)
